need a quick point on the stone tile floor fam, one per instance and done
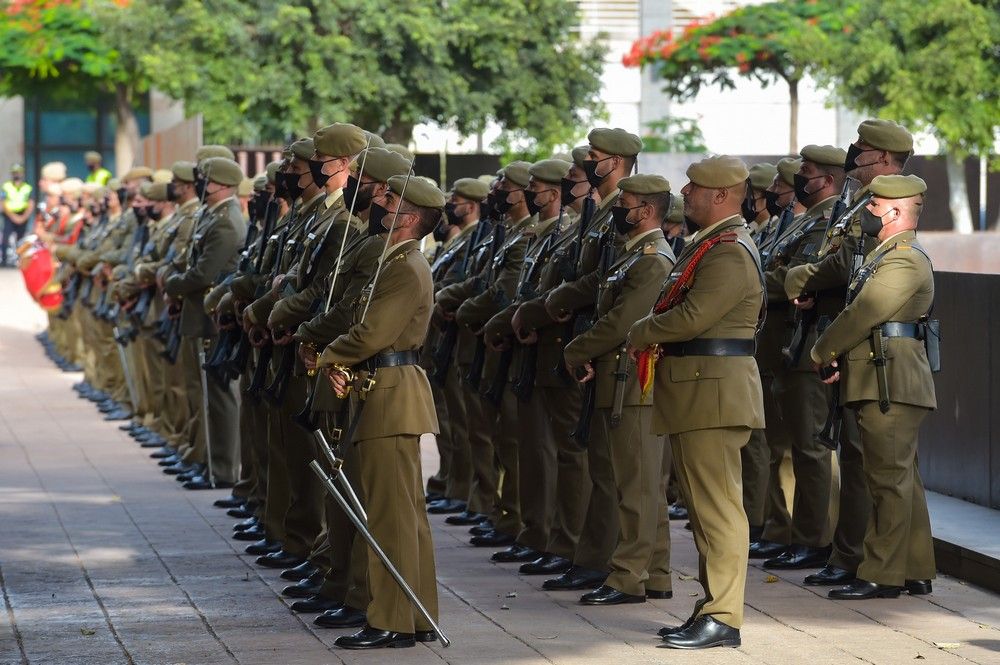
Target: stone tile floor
(104, 560)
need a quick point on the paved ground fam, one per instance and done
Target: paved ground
(105, 560)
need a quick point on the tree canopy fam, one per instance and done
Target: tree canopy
(262, 70)
(777, 41)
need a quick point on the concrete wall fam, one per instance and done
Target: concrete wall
(12, 136)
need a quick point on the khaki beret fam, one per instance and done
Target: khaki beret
(245, 188)
(376, 141)
(16, 168)
(762, 175)
(184, 170)
(643, 183)
(340, 139)
(154, 191)
(615, 141)
(676, 214)
(54, 171)
(420, 192)
(54, 189)
(517, 173)
(400, 149)
(550, 170)
(381, 164)
(885, 135)
(564, 156)
(471, 188)
(270, 170)
(163, 175)
(114, 184)
(487, 178)
(90, 188)
(303, 148)
(72, 187)
(223, 171)
(718, 172)
(260, 183)
(137, 172)
(787, 168)
(579, 154)
(826, 155)
(286, 152)
(897, 186)
(213, 150)
(91, 157)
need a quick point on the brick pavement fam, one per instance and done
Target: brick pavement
(104, 560)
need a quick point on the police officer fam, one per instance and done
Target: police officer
(18, 207)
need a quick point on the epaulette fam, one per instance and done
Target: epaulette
(649, 248)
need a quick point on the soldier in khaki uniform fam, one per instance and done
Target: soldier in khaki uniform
(342, 569)
(640, 562)
(882, 148)
(802, 397)
(472, 476)
(472, 303)
(214, 248)
(755, 455)
(707, 388)
(885, 377)
(611, 156)
(390, 324)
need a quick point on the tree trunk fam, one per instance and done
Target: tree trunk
(126, 130)
(958, 195)
(793, 116)
(398, 132)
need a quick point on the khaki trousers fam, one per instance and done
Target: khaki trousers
(707, 464)
(637, 462)
(480, 426)
(303, 514)
(459, 480)
(898, 543)
(438, 483)
(391, 479)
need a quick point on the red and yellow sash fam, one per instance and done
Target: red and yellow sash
(675, 296)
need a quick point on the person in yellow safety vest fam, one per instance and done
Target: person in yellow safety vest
(17, 209)
(98, 173)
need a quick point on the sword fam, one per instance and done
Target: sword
(362, 528)
(204, 420)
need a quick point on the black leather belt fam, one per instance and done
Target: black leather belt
(900, 329)
(710, 347)
(393, 359)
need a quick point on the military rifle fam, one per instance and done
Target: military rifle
(474, 375)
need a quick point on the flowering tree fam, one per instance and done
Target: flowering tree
(770, 42)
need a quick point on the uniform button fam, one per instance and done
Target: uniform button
(558, 339)
(697, 373)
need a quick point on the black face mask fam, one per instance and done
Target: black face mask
(320, 178)
(200, 185)
(355, 188)
(122, 195)
(376, 215)
(91, 167)
(771, 200)
(590, 168)
(153, 213)
(171, 191)
(140, 212)
(530, 200)
(853, 151)
(440, 232)
(501, 205)
(291, 184)
(450, 212)
(620, 216)
(749, 208)
(566, 195)
(871, 224)
(800, 186)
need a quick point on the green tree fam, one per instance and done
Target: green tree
(674, 134)
(59, 48)
(777, 41)
(932, 66)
